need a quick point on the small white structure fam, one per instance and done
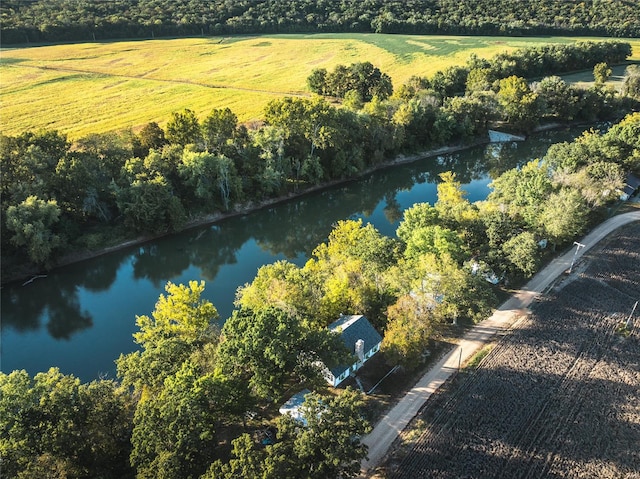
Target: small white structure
(631, 186)
(361, 338)
(292, 406)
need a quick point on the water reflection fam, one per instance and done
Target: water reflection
(93, 304)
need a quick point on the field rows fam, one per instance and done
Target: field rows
(98, 87)
(558, 397)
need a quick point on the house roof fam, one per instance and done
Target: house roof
(632, 183)
(294, 402)
(292, 406)
(351, 329)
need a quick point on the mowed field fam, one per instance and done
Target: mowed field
(559, 397)
(100, 87)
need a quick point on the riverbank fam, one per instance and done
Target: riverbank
(29, 273)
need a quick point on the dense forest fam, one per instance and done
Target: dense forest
(197, 402)
(60, 196)
(28, 21)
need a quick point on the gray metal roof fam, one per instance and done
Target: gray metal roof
(351, 329)
(632, 183)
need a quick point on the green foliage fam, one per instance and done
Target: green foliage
(174, 431)
(347, 272)
(327, 446)
(631, 85)
(55, 425)
(181, 322)
(362, 78)
(180, 313)
(218, 128)
(148, 204)
(184, 129)
(212, 179)
(436, 240)
(282, 285)
(559, 100)
(564, 216)
(519, 104)
(522, 191)
(601, 73)
(151, 136)
(523, 253)
(58, 21)
(269, 349)
(417, 216)
(32, 223)
(411, 322)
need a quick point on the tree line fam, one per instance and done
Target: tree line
(25, 21)
(191, 387)
(59, 196)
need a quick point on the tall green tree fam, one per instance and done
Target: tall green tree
(51, 425)
(601, 73)
(523, 253)
(559, 100)
(347, 272)
(174, 434)
(151, 136)
(631, 86)
(417, 216)
(211, 179)
(271, 349)
(184, 129)
(218, 128)
(519, 104)
(282, 285)
(149, 205)
(181, 323)
(411, 322)
(564, 216)
(522, 192)
(33, 223)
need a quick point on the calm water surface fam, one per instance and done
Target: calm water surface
(81, 317)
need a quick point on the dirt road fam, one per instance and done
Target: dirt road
(389, 427)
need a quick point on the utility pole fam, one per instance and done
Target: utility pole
(578, 246)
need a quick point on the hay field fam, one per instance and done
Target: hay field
(99, 87)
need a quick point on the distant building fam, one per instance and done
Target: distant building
(360, 338)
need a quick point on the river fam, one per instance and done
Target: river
(81, 317)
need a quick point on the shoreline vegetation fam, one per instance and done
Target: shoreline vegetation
(240, 210)
(30, 273)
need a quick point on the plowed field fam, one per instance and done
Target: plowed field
(559, 396)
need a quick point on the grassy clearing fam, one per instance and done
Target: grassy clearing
(98, 87)
(585, 79)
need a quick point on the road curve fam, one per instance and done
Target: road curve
(391, 425)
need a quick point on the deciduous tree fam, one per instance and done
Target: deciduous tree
(33, 224)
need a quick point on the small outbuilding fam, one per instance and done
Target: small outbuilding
(631, 186)
(360, 338)
(292, 406)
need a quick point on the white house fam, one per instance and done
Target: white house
(362, 340)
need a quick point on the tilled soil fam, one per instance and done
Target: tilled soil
(559, 396)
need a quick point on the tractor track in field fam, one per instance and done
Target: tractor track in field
(145, 77)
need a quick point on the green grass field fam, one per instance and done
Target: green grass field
(99, 87)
